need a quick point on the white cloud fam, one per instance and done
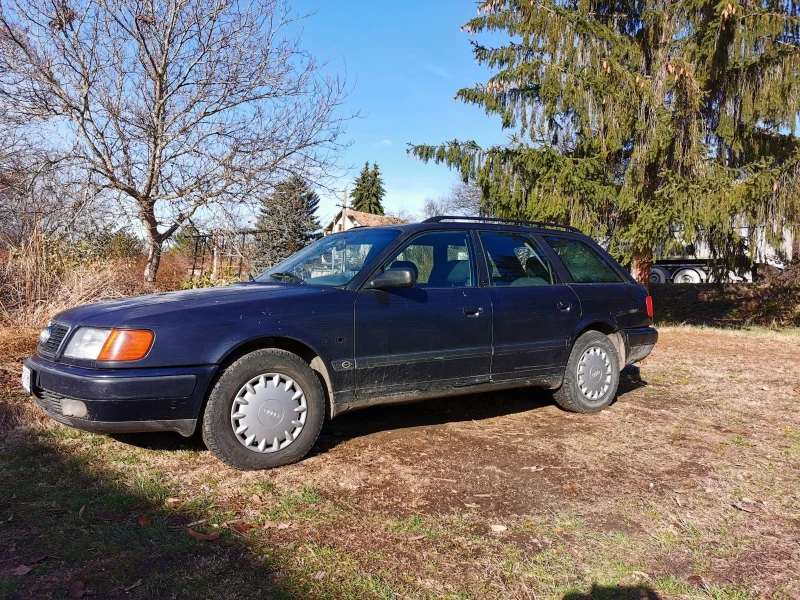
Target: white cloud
(383, 143)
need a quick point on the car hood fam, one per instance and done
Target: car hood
(116, 313)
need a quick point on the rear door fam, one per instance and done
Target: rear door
(603, 291)
(437, 333)
(534, 312)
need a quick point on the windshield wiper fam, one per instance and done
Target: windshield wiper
(287, 275)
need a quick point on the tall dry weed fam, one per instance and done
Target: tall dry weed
(43, 277)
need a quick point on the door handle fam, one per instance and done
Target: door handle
(564, 306)
(473, 311)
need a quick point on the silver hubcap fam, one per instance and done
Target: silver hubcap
(268, 413)
(594, 373)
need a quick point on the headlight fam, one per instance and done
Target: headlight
(86, 343)
(91, 343)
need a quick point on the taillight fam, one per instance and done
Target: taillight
(649, 304)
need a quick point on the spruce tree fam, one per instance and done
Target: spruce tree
(368, 190)
(289, 222)
(635, 119)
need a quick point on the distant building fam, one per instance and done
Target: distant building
(350, 219)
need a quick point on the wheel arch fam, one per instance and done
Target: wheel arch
(610, 330)
(310, 355)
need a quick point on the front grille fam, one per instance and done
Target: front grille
(53, 343)
(49, 401)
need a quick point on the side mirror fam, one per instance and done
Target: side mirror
(393, 279)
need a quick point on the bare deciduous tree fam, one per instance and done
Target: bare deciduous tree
(172, 106)
(42, 191)
(463, 200)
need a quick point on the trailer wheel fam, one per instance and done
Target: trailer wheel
(687, 276)
(658, 275)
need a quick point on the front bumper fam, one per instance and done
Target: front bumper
(122, 400)
(639, 343)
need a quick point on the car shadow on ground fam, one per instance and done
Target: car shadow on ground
(614, 592)
(425, 413)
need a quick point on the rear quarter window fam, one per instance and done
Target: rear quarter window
(584, 263)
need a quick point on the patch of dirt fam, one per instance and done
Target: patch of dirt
(695, 470)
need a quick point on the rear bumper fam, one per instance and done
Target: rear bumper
(639, 343)
(122, 400)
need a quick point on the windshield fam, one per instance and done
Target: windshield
(333, 260)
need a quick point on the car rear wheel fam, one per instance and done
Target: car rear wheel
(592, 375)
(266, 410)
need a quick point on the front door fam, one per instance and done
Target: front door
(437, 333)
(534, 313)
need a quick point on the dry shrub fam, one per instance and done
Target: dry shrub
(78, 285)
(43, 277)
(775, 300)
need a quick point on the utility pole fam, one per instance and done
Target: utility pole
(344, 210)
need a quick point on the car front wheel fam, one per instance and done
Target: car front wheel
(266, 410)
(592, 375)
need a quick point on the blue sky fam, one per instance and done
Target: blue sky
(406, 59)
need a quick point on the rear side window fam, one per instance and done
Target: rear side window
(516, 259)
(584, 263)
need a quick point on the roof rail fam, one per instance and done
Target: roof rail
(440, 218)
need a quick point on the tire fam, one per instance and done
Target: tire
(687, 276)
(659, 275)
(591, 350)
(273, 391)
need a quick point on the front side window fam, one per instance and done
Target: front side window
(440, 259)
(516, 259)
(584, 263)
(332, 261)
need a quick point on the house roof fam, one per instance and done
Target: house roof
(366, 219)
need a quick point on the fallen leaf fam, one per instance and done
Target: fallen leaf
(145, 521)
(482, 495)
(533, 469)
(134, 585)
(284, 526)
(173, 501)
(742, 507)
(270, 524)
(319, 575)
(36, 558)
(499, 528)
(570, 488)
(678, 501)
(558, 530)
(21, 570)
(243, 527)
(80, 512)
(256, 498)
(416, 538)
(468, 505)
(76, 589)
(203, 536)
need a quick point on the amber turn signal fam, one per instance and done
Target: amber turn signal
(126, 344)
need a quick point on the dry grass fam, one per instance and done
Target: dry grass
(687, 487)
(43, 277)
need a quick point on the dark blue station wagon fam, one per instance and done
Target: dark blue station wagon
(369, 316)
